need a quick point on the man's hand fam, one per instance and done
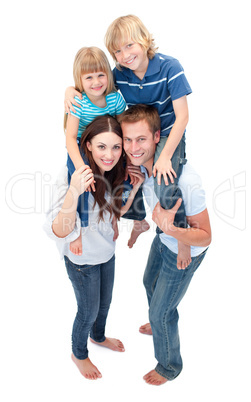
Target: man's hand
(164, 218)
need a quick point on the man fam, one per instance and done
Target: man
(165, 284)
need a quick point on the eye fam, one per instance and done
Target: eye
(116, 147)
(102, 75)
(101, 146)
(127, 140)
(117, 51)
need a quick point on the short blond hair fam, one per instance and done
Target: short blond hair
(91, 60)
(126, 28)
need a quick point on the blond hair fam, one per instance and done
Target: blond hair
(92, 60)
(129, 28)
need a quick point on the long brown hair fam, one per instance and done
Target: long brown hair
(111, 181)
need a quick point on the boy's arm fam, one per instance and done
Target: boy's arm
(163, 166)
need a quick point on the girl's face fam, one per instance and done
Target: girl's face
(94, 84)
(133, 56)
(106, 149)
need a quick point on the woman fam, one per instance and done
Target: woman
(92, 272)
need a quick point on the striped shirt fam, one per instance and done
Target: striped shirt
(87, 111)
(163, 82)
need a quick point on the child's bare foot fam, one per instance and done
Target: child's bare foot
(154, 378)
(184, 255)
(138, 228)
(111, 343)
(146, 329)
(86, 368)
(76, 246)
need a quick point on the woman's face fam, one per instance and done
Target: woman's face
(106, 149)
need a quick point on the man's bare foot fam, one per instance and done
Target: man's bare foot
(138, 228)
(154, 378)
(146, 329)
(76, 246)
(86, 368)
(184, 255)
(111, 343)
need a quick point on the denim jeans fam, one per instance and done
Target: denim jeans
(165, 287)
(93, 285)
(169, 194)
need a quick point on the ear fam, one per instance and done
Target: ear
(157, 136)
(89, 146)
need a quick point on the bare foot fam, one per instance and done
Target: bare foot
(184, 255)
(146, 329)
(86, 368)
(111, 343)
(154, 378)
(76, 246)
(138, 228)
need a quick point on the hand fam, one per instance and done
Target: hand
(69, 99)
(137, 177)
(81, 179)
(164, 218)
(164, 167)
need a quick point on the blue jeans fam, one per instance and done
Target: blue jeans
(93, 285)
(169, 194)
(165, 287)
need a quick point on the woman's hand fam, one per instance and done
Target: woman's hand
(69, 99)
(81, 179)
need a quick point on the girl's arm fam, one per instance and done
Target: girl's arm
(69, 99)
(64, 222)
(71, 141)
(137, 175)
(163, 166)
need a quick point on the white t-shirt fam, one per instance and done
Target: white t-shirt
(97, 238)
(193, 196)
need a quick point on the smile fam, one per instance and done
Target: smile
(137, 156)
(130, 61)
(107, 162)
(97, 88)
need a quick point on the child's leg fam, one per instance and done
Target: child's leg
(137, 213)
(85, 280)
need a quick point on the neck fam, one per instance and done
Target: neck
(149, 167)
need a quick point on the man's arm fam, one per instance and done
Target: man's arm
(199, 232)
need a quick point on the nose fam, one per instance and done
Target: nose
(109, 153)
(125, 54)
(134, 146)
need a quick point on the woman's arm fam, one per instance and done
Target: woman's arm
(64, 222)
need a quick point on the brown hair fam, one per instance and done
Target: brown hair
(140, 112)
(112, 181)
(129, 28)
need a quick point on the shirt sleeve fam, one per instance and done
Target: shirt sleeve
(178, 85)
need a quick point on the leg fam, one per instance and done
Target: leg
(97, 333)
(171, 287)
(85, 280)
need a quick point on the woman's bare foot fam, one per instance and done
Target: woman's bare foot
(86, 368)
(146, 329)
(76, 246)
(154, 378)
(184, 255)
(138, 228)
(111, 343)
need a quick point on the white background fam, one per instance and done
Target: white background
(38, 45)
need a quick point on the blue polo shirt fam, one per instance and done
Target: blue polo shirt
(164, 82)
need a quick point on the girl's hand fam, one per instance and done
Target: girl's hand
(137, 177)
(69, 99)
(164, 167)
(81, 179)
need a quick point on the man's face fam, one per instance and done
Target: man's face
(139, 142)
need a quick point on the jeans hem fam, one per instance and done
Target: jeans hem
(163, 372)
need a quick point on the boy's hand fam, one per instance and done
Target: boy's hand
(69, 99)
(164, 167)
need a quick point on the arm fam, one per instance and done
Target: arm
(71, 141)
(64, 222)
(69, 99)
(163, 166)
(199, 233)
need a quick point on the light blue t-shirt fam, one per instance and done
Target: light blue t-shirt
(193, 196)
(87, 111)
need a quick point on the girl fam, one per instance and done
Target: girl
(92, 273)
(93, 79)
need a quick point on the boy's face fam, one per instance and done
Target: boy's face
(139, 143)
(133, 56)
